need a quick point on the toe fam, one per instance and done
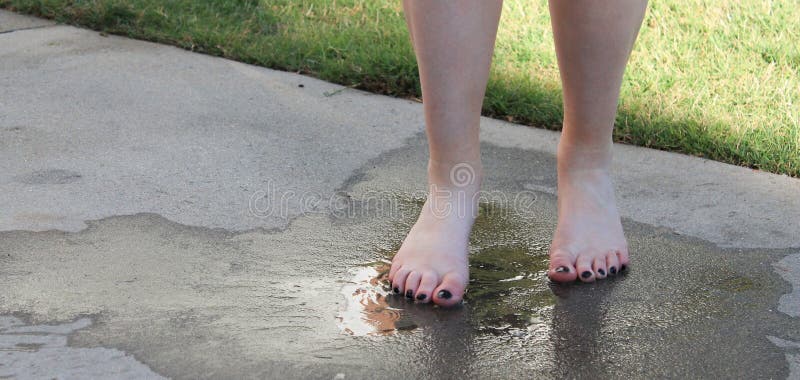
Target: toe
(624, 259)
(599, 268)
(561, 267)
(399, 280)
(584, 267)
(393, 270)
(612, 263)
(426, 286)
(412, 284)
(451, 291)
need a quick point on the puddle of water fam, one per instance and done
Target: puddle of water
(508, 293)
(203, 302)
(683, 300)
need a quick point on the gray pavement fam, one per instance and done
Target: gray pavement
(170, 214)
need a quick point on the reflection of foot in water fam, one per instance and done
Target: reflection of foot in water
(373, 310)
(367, 312)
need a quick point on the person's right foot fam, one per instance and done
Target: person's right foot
(432, 264)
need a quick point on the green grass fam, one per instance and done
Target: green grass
(716, 79)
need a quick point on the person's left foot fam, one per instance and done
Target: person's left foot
(589, 243)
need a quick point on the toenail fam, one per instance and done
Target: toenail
(613, 270)
(602, 272)
(421, 297)
(562, 269)
(445, 294)
(396, 290)
(586, 274)
(623, 267)
(409, 294)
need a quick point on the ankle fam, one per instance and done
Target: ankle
(581, 156)
(453, 191)
(463, 175)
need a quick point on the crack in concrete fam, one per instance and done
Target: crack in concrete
(26, 28)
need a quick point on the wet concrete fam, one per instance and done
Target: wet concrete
(193, 302)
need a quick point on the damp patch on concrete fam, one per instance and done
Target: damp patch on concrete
(193, 302)
(683, 298)
(38, 351)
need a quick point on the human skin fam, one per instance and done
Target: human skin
(454, 42)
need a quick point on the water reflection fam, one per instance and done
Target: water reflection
(508, 293)
(367, 311)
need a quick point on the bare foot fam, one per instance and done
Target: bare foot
(432, 263)
(589, 243)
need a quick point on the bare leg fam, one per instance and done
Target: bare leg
(593, 42)
(454, 42)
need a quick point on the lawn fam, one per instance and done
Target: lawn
(717, 79)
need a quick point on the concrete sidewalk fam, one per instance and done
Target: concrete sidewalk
(171, 214)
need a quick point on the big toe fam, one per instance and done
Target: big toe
(451, 291)
(584, 268)
(562, 268)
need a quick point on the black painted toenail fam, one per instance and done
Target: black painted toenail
(562, 270)
(421, 297)
(445, 294)
(409, 294)
(586, 274)
(623, 267)
(396, 290)
(602, 272)
(613, 270)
